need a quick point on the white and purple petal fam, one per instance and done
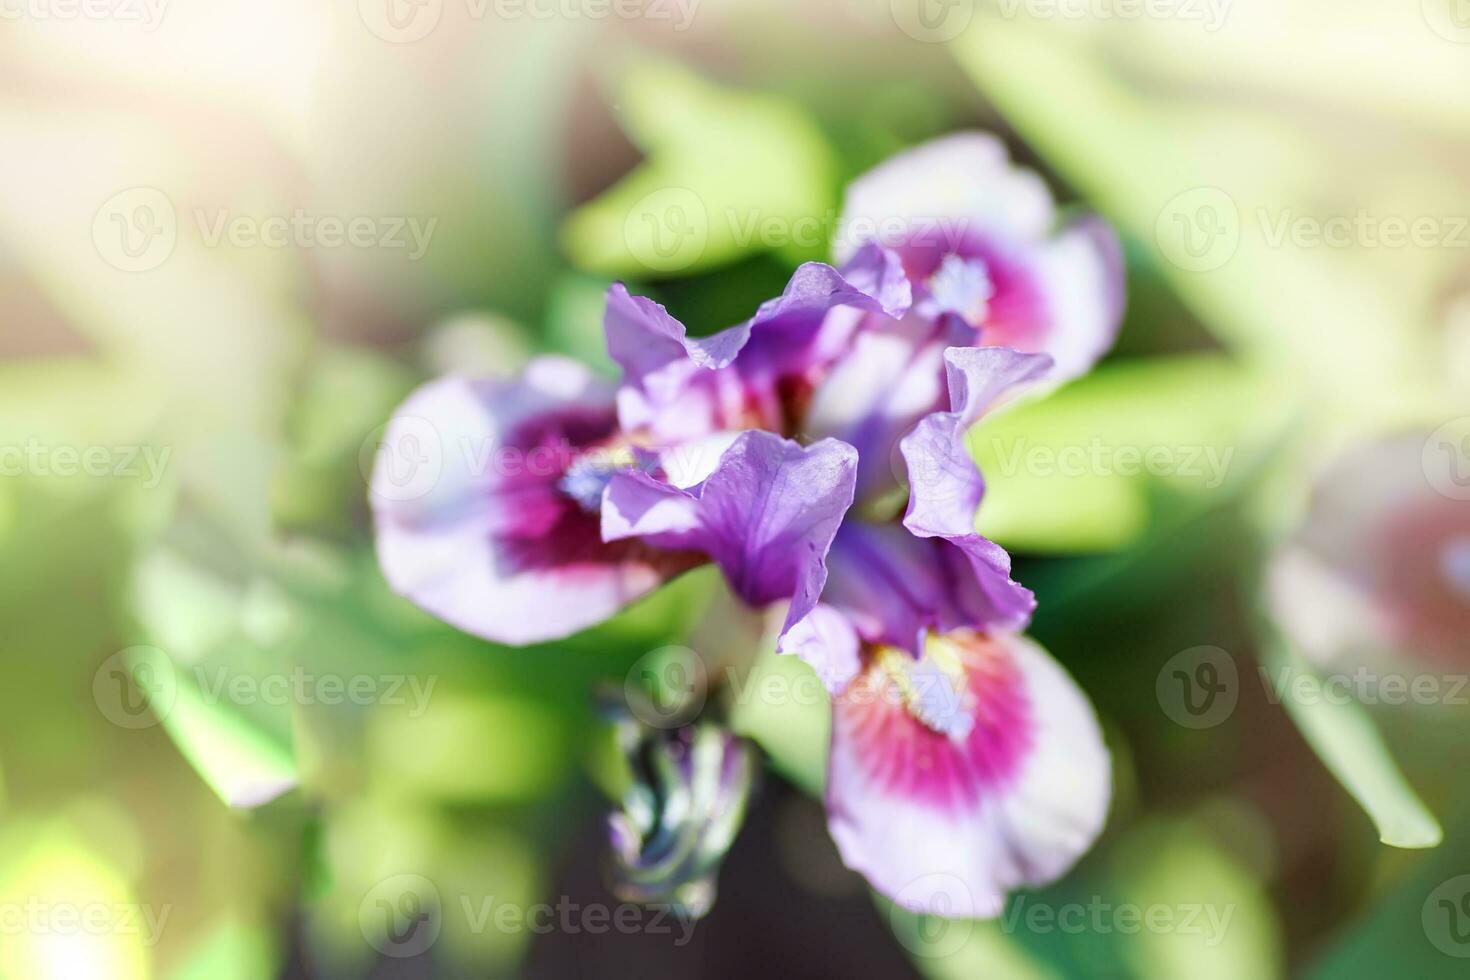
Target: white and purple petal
(959, 778)
(945, 485)
(757, 374)
(890, 377)
(976, 236)
(933, 195)
(494, 535)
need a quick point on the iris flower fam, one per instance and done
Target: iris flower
(1378, 572)
(816, 454)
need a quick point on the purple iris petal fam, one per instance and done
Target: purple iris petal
(474, 514)
(945, 486)
(890, 377)
(766, 515)
(829, 643)
(673, 385)
(949, 822)
(895, 587)
(977, 237)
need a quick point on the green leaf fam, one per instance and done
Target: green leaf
(574, 321)
(1345, 739)
(522, 746)
(1164, 901)
(245, 766)
(1221, 137)
(782, 706)
(231, 948)
(1085, 468)
(1390, 938)
(727, 173)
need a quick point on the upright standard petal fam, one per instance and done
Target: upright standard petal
(893, 585)
(945, 485)
(678, 388)
(766, 515)
(960, 777)
(936, 193)
(496, 532)
(975, 235)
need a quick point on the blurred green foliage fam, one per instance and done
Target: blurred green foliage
(265, 377)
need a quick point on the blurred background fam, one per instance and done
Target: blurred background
(233, 235)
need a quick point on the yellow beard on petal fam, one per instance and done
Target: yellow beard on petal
(934, 689)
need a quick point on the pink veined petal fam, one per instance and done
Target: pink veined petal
(976, 237)
(1081, 279)
(949, 824)
(484, 537)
